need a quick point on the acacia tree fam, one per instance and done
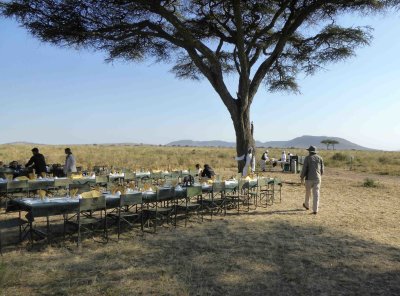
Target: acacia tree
(262, 41)
(327, 142)
(333, 143)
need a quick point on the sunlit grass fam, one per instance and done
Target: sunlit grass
(169, 158)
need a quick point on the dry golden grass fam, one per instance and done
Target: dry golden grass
(161, 157)
(352, 247)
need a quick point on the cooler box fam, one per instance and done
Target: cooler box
(286, 167)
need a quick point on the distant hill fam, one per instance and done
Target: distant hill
(299, 142)
(201, 143)
(21, 143)
(306, 141)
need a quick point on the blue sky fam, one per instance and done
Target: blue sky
(62, 96)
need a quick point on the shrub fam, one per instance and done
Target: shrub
(339, 156)
(384, 160)
(371, 183)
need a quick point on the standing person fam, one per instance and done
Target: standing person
(70, 163)
(289, 160)
(264, 160)
(312, 171)
(248, 159)
(289, 156)
(253, 162)
(283, 157)
(283, 160)
(38, 162)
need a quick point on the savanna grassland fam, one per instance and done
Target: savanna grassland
(159, 157)
(352, 247)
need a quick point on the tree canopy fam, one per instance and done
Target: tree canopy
(264, 42)
(329, 142)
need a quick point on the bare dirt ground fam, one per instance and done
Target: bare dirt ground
(352, 247)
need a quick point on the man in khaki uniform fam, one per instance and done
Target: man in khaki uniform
(312, 171)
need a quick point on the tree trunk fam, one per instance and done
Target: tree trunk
(244, 138)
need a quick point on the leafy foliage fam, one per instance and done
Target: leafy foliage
(329, 142)
(204, 37)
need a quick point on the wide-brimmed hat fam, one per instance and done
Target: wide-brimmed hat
(312, 149)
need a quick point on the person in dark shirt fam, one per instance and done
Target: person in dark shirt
(38, 162)
(207, 172)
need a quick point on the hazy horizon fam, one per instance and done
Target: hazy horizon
(178, 140)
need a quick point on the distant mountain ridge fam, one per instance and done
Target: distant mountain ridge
(299, 142)
(21, 143)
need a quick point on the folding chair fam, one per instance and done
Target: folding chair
(265, 191)
(217, 199)
(129, 177)
(86, 220)
(160, 209)
(61, 184)
(11, 223)
(128, 202)
(156, 177)
(102, 181)
(188, 206)
(3, 192)
(239, 195)
(42, 185)
(253, 193)
(276, 187)
(16, 187)
(171, 182)
(176, 174)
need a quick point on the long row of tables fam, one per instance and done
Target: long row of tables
(64, 205)
(37, 207)
(44, 183)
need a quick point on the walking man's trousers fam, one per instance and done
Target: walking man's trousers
(314, 186)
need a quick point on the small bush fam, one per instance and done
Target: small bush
(339, 156)
(371, 183)
(384, 160)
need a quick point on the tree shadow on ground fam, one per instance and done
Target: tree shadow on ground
(220, 258)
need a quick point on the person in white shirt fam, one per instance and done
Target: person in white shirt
(70, 162)
(198, 170)
(248, 158)
(283, 157)
(253, 162)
